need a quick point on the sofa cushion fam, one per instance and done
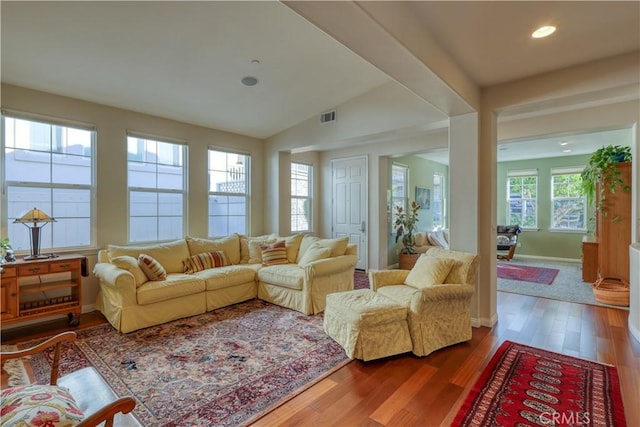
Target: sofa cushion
(174, 286)
(170, 254)
(315, 252)
(151, 267)
(204, 261)
(230, 245)
(399, 293)
(244, 245)
(437, 238)
(293, 246)
(274, 253)
(255, 252)
(226, 277)
(420, 238)
(338, 246)
(130, 264)
(429, 271)
(288, 276)
(39, 405)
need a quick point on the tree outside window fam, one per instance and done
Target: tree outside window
(568, 204)
(522, 200)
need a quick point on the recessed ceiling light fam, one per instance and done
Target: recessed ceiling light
(566, 151)
(249, 81)
(545, 31)
(563, 143)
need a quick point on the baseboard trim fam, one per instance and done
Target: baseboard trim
(547, 258)
(484, 321)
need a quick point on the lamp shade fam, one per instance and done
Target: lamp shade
(31, 220)
(35, 216)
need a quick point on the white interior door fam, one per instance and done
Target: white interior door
(350, 203)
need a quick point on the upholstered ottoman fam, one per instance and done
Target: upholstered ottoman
(366, 324)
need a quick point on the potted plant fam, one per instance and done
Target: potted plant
(405, 227)
(4, 247)
(602, 169)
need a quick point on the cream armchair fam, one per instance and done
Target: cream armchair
(437, 292)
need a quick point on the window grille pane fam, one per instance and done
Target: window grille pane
(228, 193)
(522, 202)
(156, 180)
(569, 207)
(301, 197)
(49, 167)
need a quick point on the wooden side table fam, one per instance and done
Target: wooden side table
(37, 288)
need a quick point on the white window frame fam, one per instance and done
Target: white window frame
(63, 223)
(521, 175)
(295, 197)
(399, 192)
(237, 164)
(143, 158)
(579, 197)
(441, 200)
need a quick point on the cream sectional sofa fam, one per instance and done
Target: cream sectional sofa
(314, 267)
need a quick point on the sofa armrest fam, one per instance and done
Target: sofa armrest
(336, 264)
(380, 278)
(444, 292)
(119, 280)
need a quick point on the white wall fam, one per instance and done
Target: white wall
(112, 125)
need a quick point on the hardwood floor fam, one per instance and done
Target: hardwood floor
(411, 391)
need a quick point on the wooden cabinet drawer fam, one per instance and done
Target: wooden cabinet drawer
(60, 266)
(30, 270)
(8, 272)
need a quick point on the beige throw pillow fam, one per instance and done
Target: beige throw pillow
(429, 271)
(130, 264)
(314, 252)
(230, 245)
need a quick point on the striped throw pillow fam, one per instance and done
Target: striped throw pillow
(205, 261)
(274, 253)
(151, 267)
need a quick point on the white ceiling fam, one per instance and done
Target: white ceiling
(184, 60)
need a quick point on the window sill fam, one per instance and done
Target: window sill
(567, 230)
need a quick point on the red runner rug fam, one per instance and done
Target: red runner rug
(526, 273)
(523, 386)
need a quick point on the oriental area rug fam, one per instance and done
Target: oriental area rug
(523, 386)
(227, 367)
(527, 273)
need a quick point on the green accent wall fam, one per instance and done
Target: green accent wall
(421, 173)
(542, 242)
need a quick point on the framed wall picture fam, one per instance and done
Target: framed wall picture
(423, 197)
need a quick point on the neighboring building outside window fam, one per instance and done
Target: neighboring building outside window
(568, 203)
(522, 198)
(49, 166)
(156, 181)
(439, 201)
(301, 197)
(228, 193)
(399, 189)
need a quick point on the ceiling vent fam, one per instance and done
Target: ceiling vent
(328, 116)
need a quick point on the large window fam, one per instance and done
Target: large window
(228, 193)
(439, 218)
(399, 189)
(522, 198)
(568, 205)
(49, 166)
(300, 197)
(156, 184)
